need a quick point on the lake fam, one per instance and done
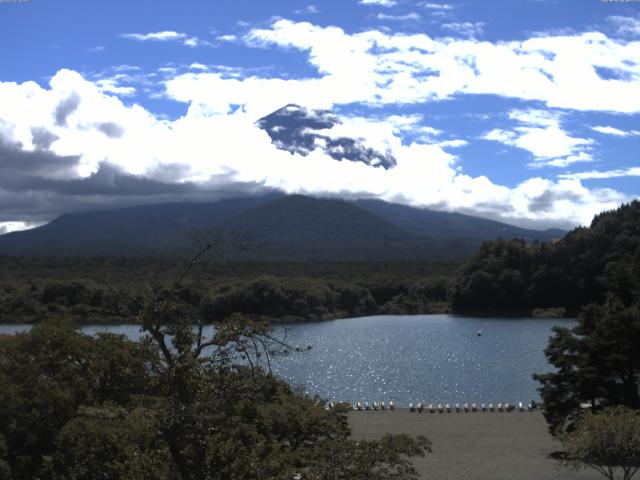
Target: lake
(429, 358)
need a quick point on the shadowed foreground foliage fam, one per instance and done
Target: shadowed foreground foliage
(597, 364)
(73, 406)
(608, 442)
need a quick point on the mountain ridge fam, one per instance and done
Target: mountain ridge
(273, 227)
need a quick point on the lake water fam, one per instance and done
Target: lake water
(429, 358)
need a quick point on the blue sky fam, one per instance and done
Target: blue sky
(524, 111)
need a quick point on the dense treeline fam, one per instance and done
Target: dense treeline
(586, 266)
(80, 407)
(111, 290)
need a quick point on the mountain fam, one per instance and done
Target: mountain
(272, 228)
(299, 130)
(443, 225)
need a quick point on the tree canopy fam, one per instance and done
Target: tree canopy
(175, 405)
(583, 267)
(597, 364)
(608, 442)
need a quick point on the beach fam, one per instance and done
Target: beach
(475, 446)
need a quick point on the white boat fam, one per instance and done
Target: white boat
(447, 408)
(466, 407)
(392, 405)
(500, 407)
(367, 406)
(457, 408)
(484, 407)
(431, 408)
(383, 406)
(359, 404)
(440, 408)
(376, 405)
(491, 407)
(420, 407)
(474, 407)
(412, 408)
(479, 333)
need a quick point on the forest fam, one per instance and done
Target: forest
(111, 289)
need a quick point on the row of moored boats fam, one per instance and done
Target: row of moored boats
(445, 408)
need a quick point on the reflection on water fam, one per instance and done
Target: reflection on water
(430, 358)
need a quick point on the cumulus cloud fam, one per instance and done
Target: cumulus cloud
(561, 71)
(65, 108)
(540, 133)
(103, 150)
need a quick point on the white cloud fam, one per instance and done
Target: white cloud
(163, 36)
(604, 174)
(607, 130)
(381, 3)
(625, 26)
(308, 10)
(400, 18)
(227, 38)
(560, 71)
(211, 141)
(198, 66)
(436, 6)
(217, 135)
(465, 29)
(166, 36)
(540, 133)
(7, 227)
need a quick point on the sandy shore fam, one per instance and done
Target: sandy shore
(475, 446)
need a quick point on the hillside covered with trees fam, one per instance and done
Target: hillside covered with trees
(583, 267)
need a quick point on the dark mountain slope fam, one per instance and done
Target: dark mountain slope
(146, 229)
(275, 228)
(450, 224)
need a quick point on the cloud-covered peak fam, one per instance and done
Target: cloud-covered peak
(299, 130)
